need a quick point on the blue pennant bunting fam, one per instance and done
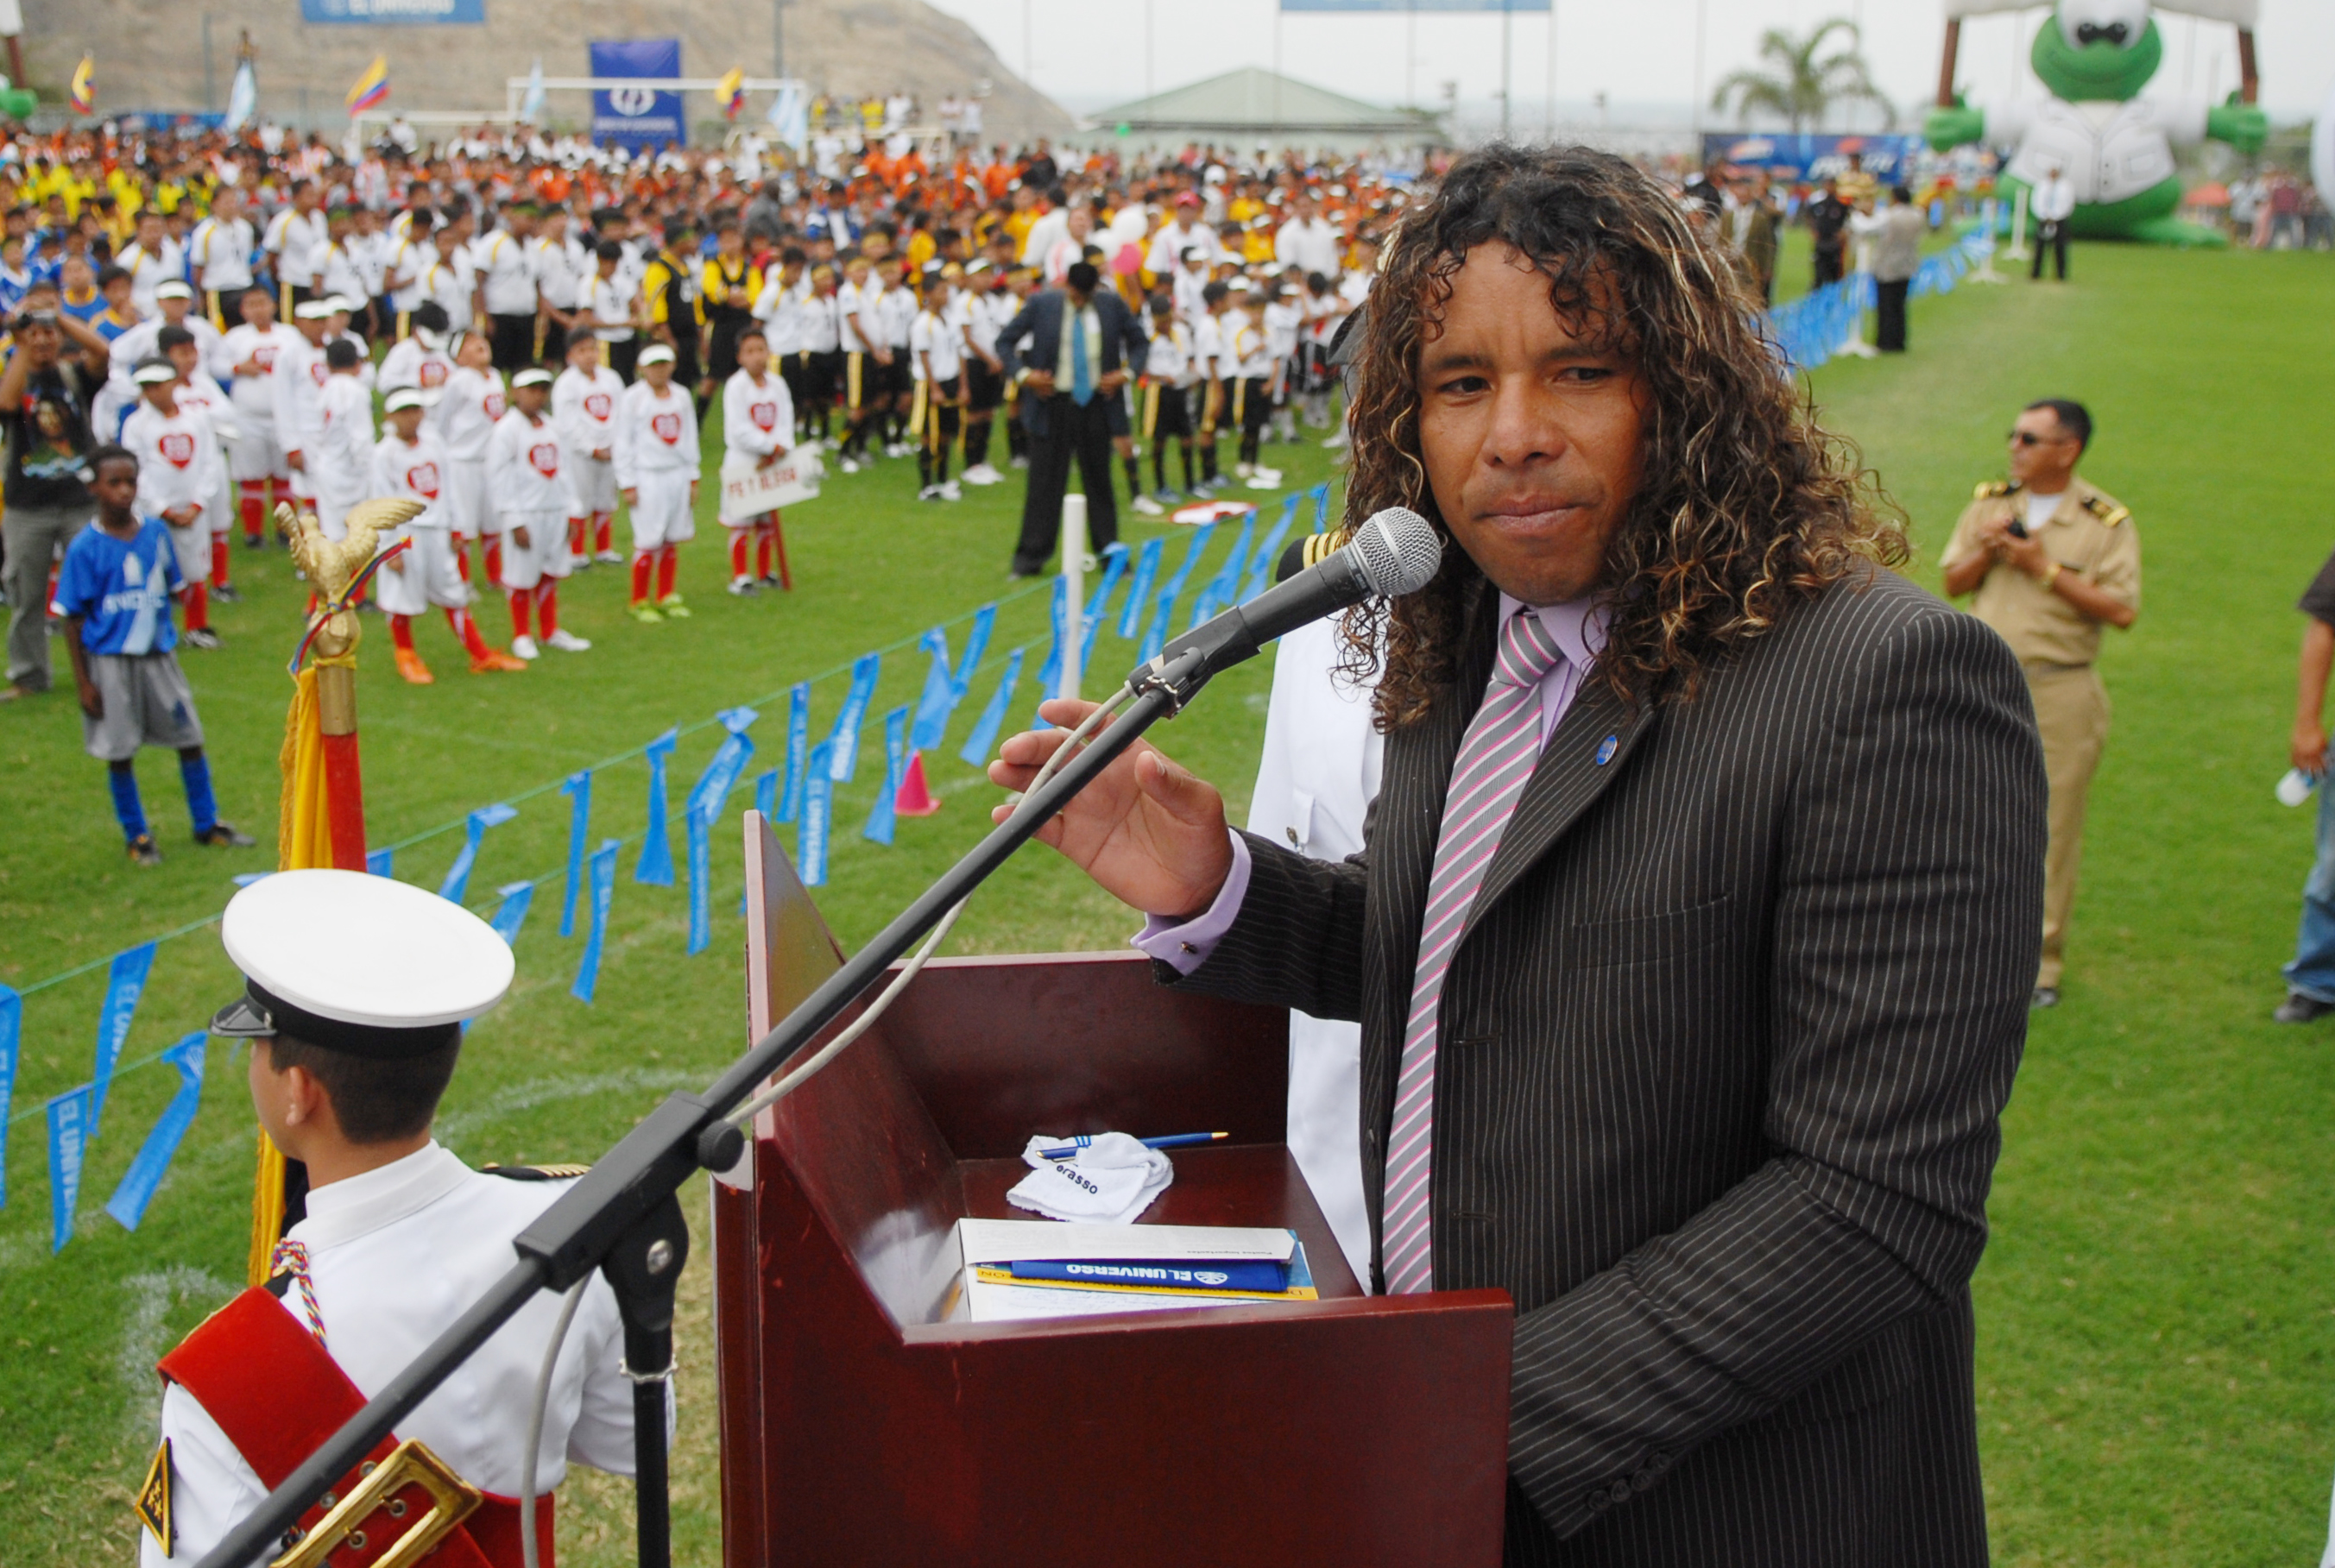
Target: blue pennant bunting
(378, 862)
(1114, 567)
(1321, 494)
(886, 815)
(127, 1203)
(1138, 592)
(1268, 553)
(457, 886)
(1049, 674)
(68, 1135)
(655, 863)
(810, 833)
(12, 1028)
(1225, 584)
(1156, 639)
(843, 744)
(798, 749)
(706, 801)
(124, 984)
(976, 648)
(603, 874)
(578, 789)
(984, 739)
(939, 694)
(511, 913)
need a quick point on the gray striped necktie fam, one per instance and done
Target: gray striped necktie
(1496, 759)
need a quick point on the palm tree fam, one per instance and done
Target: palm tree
(1802, 87)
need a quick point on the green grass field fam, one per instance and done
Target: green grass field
(2156, 1314)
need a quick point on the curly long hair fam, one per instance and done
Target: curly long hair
(1746, 504)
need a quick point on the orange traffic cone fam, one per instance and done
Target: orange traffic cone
(914, 799)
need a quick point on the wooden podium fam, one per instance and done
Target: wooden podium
(858, 1426)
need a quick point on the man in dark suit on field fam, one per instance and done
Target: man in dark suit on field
(1073, 349)
(1693, 939)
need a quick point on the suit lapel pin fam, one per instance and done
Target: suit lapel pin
(1606, 748)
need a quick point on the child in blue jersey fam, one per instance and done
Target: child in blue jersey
(114, 594)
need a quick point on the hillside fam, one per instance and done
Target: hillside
(151, 56)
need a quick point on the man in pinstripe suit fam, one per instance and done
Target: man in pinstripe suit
(1692, 940)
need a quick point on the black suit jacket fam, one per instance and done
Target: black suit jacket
(1038, 325)
(1723, 1048)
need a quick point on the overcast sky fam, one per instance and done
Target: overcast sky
(1088, 54)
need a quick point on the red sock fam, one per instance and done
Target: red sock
(668, 564)
(738, 552)
(765, 534)
(255, 507)
(518, 597)
(575, 526)
(494, 560)
(401, 631)
(199, 606)
(546, 606)
(462, 556)
(604, 525)
(219, 560)
(641, 566)
(466, 626)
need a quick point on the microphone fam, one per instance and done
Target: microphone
(1396, 552)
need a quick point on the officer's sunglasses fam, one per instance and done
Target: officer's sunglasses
(2030, 438)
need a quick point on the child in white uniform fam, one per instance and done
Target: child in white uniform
(340, 462)
(656, 472)
(758, 427)
(244, 362)
(465, 417)
(583, 405)
(180, 475)
(410, 463)
(530, 496)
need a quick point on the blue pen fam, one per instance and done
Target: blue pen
(1173, 1140)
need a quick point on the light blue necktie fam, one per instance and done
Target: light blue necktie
(1081, 372)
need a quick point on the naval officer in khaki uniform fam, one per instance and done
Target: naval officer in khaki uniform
(2053, 560)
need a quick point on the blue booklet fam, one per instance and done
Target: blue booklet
(1214, 1274)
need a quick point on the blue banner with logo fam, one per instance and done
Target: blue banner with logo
(11, 1029)
(655, 863)
(127, 1203)
(639, 118)
(1156, 639)
(843, 742)
(798, 751)
(886, 815)
(511, 913)
(395, 12)
(124, 984)
(1222, 588)
(933, 707)
(1138, 592)
(704, 810)
(579, 790)
(603, 874)
(976, 648)
(1114, 567)
(810, 832)
(1049, 674)
(1810, 156)
(456, 884)
(69, 1132)
(984, 739)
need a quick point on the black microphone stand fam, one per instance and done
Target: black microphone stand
(623, 1217)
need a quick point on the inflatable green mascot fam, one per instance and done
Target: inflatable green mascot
(2114, 146)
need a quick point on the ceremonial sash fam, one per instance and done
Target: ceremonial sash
(277, 1396)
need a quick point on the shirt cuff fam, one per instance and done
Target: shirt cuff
(1184, 946)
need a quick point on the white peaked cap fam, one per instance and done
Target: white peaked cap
(365, 950)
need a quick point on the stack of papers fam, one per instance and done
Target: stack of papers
(1018, 1269)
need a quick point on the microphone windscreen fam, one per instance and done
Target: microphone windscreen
(1397, 551)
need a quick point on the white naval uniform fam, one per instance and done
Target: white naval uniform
(585, 409)
(656, 459)
(396, 1255)
(525, 491)
(432, 575)
(465, 417)
(179, 465)
(1314, 785)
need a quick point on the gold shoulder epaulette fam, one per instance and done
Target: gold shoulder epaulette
(536, 1173)
(2111, 513)
(1992, 490)
(1318, 548)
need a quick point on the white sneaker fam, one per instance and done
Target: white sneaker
(929, 493)
(898, 449)
(1242, 470)
(849, 465)
(1270, 475)
(568, 642)
(982, 474)
(1148, 507)
(741, 586)
(949, 492)
(1338, 440)
(609, 558)
(524, 648)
